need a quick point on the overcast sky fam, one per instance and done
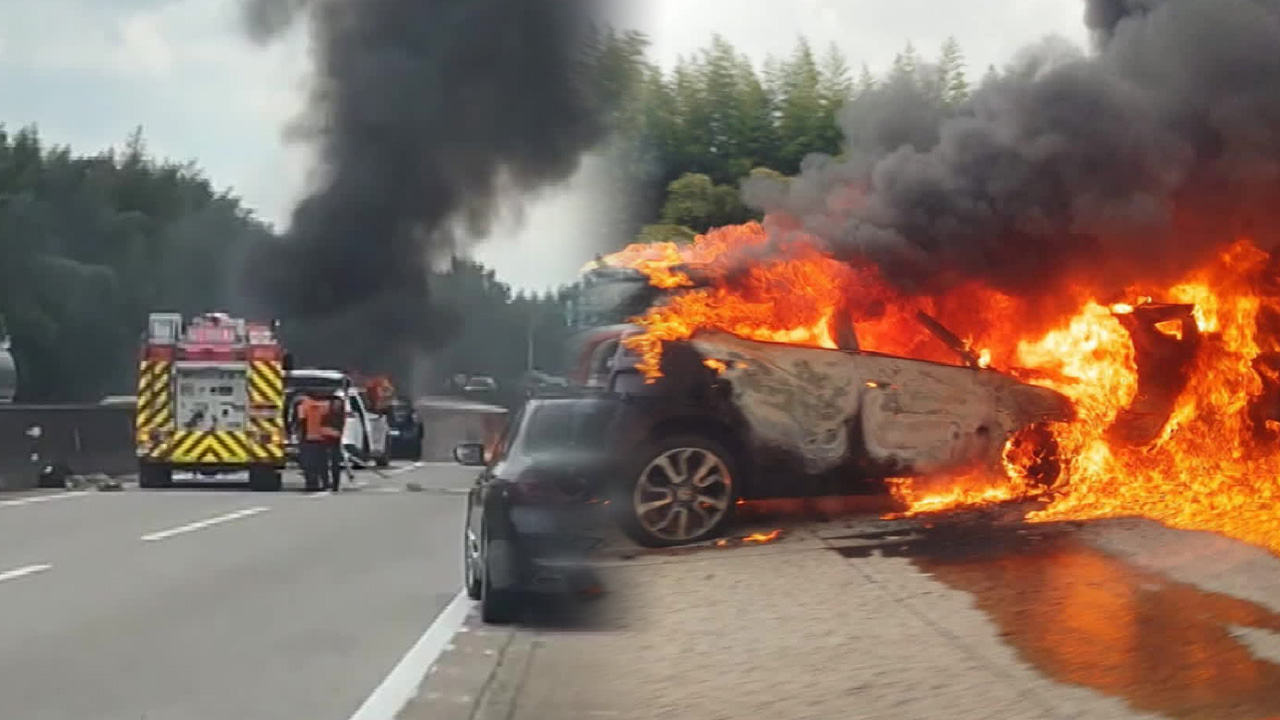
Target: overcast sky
(88, 71)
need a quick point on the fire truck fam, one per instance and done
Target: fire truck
(210, 400)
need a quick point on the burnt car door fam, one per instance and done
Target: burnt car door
(922, 417)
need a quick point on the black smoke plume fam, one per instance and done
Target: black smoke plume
(1133, 161)
(424, 114)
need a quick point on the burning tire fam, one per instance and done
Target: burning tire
(1033, 453)
(684, 491)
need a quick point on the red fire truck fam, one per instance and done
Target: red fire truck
(210, 400)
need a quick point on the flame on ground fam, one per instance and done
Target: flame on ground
(756, 538)
(1212, 465)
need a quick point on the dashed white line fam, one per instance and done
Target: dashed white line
(201, 524)
(42, 498)
(401, 683)
(23, 571)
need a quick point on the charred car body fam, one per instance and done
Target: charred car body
(734, 419)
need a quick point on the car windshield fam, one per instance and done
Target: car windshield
(298, 384)
(613, 300)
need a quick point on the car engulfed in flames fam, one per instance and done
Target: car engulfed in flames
(1161, 402)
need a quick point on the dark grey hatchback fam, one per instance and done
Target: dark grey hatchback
(528, 525)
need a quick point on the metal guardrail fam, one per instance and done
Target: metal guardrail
(99, 438)
(447, 422)
(87, 438)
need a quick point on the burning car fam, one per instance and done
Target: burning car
(733, 419)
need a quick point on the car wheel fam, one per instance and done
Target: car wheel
(684, 491)
(264, 478)
(1033, 452)
(497, 607)
(471, 560)
(155, 476)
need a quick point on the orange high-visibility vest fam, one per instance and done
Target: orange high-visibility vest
(315, 418)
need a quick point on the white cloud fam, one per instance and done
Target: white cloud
(142, 46)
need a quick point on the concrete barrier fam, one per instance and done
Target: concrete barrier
(447, 422)
(88, 438)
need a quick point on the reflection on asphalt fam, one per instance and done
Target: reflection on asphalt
(1084, 617)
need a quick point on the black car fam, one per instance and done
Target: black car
(404, 431)
(528, 525)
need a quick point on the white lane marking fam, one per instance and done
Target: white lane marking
(201, 524)
(23, 571)
(42, 498)
(320, 494)
(402, 682)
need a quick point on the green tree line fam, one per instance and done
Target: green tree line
(89, 244)
(694, 131)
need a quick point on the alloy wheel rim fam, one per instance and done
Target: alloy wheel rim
(682, 494)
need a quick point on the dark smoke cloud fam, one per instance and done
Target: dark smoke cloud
(1129, 163)
(425, 113)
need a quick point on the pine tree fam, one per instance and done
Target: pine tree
(951, 74)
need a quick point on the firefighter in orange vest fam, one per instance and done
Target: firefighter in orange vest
(335, 419)
(313, 414)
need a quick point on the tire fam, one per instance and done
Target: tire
(264, 478)
(151, 476)
(471, 579)
(710, 507)
(1035, 450)
(497, 607)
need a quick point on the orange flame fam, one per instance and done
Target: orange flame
(1206, 468)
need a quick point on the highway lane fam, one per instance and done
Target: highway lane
(220, 603)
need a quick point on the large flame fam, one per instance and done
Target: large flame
(1209, 466)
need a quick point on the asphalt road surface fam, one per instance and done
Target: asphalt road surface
(221, 603)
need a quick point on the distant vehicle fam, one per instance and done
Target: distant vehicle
(404, 432)
(364, 435)
(523, 502)
(8, 373)
(479, 384)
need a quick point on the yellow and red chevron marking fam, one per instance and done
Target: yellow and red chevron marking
(266, 383)
(155, 398)
(266, 389)
(216, 447)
